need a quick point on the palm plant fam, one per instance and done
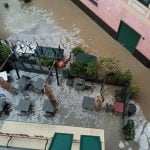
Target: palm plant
(5, 51)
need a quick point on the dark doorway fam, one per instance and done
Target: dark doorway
(128, 37)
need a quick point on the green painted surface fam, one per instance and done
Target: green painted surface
(85, 58)
(90, 143)
(128, 37)
(61, 141)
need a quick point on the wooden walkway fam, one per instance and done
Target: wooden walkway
(35, 136)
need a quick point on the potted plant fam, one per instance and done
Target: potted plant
(135, 91)
(129, 131)
(106, 68)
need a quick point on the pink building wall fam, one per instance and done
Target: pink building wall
(113, 12)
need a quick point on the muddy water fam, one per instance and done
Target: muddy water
(100, 44)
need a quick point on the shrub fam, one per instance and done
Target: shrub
(123, 77)
(127, 76)
(135, 91)
(91, 69)
(76, 50)
(108, 65)
(5, 51)
(129, 131)
(78, 68)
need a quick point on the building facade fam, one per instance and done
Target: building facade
(127, 21)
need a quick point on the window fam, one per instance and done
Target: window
(95, 2)
(145, 2)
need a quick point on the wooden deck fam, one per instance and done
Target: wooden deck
(45, 131)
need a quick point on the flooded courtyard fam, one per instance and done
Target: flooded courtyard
(96, 40)
(55, 22)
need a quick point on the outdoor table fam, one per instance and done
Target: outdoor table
(131, 109)
(48, 107)
(119, 107)
(38, 85)
(88, 103)
(24, 105)
(24, 82)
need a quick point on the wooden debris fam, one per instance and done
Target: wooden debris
(4, 84)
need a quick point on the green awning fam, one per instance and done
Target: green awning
(85, 58)
(90, 143)
(61, 141)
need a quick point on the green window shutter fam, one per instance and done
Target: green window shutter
(128, 37)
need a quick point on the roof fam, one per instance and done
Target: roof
(85, 58)
(45, 130)
(61, 141)
(90, 143)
